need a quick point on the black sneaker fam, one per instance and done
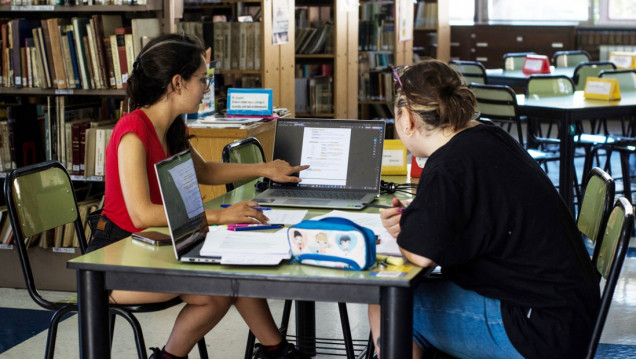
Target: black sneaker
(288, 352)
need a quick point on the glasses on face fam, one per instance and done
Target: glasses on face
(206, 82)
(398, 71)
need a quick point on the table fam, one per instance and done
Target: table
(567, 110)
(517, 79)
(128, 265)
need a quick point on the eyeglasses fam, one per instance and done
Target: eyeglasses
(398, 71)
(206, 82)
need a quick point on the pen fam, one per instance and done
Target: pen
(254, 225)
(270, 226)
(375, 205)
(225, 205)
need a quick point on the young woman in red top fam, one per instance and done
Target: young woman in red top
(168, 79)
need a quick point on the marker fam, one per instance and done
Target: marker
(225, 205)
(256, 227)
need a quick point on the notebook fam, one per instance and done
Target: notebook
(184, 207)
(345, 158)
(189, 229)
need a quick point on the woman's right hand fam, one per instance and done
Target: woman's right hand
(391, 217)
(240, 212)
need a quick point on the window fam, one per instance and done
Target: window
(462, 11)
(539, 10)
(621, 10)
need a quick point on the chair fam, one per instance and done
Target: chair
(247, 150)
(613, 249)
(597, 200)
(471, 71)
(40, 197)
(513, 61)
(589, 69)
(570, 58)
(626, 78)
(499, 104)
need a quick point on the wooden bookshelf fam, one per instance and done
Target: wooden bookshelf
(339, 56)
(431, 37)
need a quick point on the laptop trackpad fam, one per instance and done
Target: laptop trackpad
(306, 201)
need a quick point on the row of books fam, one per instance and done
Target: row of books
(426, 15)
(376, 86)
(59, 237)
(376, 36)
(72, 2)
(314, 95)
(72, 53)
(375, 60)
(318, 39)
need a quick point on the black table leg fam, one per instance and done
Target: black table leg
(396, 338)
(93, 315)
(566, 161)
(306, 327)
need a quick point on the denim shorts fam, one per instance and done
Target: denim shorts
(103, 231)
(459, 322)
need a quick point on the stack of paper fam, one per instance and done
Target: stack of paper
(246, 247)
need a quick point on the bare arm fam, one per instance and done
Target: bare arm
(217, 173)
(133, 176)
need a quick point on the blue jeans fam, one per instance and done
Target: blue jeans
(459, 322)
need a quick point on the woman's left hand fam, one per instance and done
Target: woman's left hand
(391, 217)
(281, 171)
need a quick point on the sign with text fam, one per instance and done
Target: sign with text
(394, 158)
(602, 89)
(249, 102)
(536, 64)
(623, 59)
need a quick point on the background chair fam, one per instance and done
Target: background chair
(41, 197)
(589, 69)
(613, 248)
(514, 60)
(597, 201)
(570, 58)
(499, 104)
(471, 71)
(247, 150)
(626, 82)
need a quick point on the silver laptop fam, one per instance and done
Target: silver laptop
(345, 158)
(184, 207)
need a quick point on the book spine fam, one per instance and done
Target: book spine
(115, 57)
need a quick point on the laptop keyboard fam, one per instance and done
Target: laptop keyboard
(321, 194)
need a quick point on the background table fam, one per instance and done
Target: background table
(567, 110)
(517, 79)
(130, 265)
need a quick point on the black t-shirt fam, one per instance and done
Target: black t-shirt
(490, 217)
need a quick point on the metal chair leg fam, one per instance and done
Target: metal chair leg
(249, 347)
(203, 349)
(49, 351)
(139, 336)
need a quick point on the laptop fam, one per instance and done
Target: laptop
(184, 207)
(345, 158)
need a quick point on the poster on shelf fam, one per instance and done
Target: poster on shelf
(280, 22)
(406, 21)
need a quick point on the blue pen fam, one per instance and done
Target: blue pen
(225, 205)
(252, 228)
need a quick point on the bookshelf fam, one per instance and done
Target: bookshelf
(326, 74)
(431, 30)
(273, 68)
(380, 48)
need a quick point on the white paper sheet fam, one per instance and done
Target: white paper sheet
(220, 242)
(285, 216)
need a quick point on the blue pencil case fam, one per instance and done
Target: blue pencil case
(332, 242)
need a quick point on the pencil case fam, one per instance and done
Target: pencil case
(332, 242)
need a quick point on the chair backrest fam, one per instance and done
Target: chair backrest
(40, 197)
(514, 60)
(614, 245)
(498, 103)
(597, 201)
(549, 86)
(626, 78)
(471, 71)
(589, 69)
(570, 58)
(247, 150)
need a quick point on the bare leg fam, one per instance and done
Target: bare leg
(374, 324)
(258, 317)
(418, 353)
(200, 314)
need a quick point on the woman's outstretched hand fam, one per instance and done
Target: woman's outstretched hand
(282, 171)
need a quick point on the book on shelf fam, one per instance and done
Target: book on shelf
(301, 88)
(120, 39)
(20, 29)
(70, 58)
(235, 45)
(102, 136)
(79, 32)
(55, 39)
(321, 94)
(218, 45)
(144, 30)
(114, 55)
(4, 37)
(130, 53)
(93, 56)
(43, 62)
(104, 27)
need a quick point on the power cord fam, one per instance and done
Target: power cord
(392, 187)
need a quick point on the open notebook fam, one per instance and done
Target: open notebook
(345, 158)
(188, 224)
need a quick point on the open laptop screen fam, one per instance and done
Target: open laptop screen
(343, 154)
(182, 199)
